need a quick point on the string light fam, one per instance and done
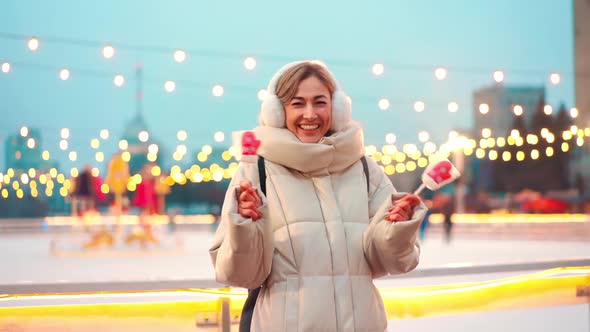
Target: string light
(440, 73)
(169, 86)
(378, 69)
(123, 144)
(423, 136)
(498, 76)
(217, 90)
(119, 80)
(104, 134)
(383, 104)
(64, 133)
(179, 56)
(64, 74)
(574, 112)
(5, 67)
(143, 136)
(63, 144)
(153, 148)
(24, 131)
(554, 78)
(219, 137)
(181, 135)
(518, 110)
(108, 52)
(548, 109)
(33, 44)
(31, 143)
(390, 138)
(484, 108)
(250, 63)
(419, 106)
(453, 107)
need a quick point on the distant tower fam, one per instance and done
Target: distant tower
(136, 130)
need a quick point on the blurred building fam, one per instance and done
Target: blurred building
(501, 100)
(582, 60)
(582, 70)
(23, 151)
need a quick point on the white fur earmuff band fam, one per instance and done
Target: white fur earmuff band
(272, 113)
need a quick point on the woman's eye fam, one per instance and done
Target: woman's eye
(321, 103)
(297, 104)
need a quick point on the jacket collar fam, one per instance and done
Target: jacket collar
(331, 154)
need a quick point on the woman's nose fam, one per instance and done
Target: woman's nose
(309, 112)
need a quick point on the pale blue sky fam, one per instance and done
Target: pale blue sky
(525, 38)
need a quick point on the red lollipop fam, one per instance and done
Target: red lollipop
(438, 175)
(249, 144)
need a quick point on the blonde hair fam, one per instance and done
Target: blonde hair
(289, 83)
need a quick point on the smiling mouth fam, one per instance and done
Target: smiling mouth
(309, 127)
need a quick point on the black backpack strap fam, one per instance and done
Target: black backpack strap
(248, 309)
(366, 170)
(262, 174)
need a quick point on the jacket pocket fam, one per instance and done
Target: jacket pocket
(292, 304)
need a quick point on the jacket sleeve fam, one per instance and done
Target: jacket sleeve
(242, 248)
(390, 248)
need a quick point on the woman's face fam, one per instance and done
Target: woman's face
(309, 114)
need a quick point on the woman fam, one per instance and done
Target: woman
(317, 239)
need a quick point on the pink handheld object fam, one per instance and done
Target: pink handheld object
(249, 144)
(438, 175)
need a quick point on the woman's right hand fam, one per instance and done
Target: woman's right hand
(249, 201)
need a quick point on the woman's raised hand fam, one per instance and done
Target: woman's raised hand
(403, 208)
(249, 201)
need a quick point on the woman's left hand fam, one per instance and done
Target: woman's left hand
(403, 208)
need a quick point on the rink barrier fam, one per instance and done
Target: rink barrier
(219, 308)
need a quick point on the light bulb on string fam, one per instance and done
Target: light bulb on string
(419, 106)
(104, 133)
(250, 63)
(518, 110)
(378, 69)
(498, 76)
(181, 135)
(169, 86)
(64, 74)
(217, 90)
(33, 44)
(64, 133)
(440, 73)
(5, 67)
(179, 56)
(383, 104)
(548, 109)
(484, 108)
(219, 136)
(119, 80)
(574, 112)
(108, 52)
(453, 107)
(555, 78)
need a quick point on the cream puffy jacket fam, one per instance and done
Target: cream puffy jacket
(322, 239)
